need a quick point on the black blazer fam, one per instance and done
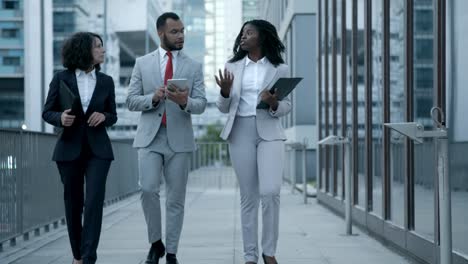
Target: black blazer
(71, 139)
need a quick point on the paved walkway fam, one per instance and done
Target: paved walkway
(309, 234)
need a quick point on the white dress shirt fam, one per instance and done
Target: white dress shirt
(86, 83)
(163, 61)
(252, 81)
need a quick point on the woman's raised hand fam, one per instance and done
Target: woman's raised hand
(225, 82)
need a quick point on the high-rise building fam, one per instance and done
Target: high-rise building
(223, 23)
(249, 10)
(291, 18)
(423, 61)
(25, 62)
(70, 16)
(137, 36)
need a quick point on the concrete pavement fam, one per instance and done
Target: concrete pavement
(309, 234)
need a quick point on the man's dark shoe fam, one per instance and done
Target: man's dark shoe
(269, 260)
(156, 252)
(171, 259)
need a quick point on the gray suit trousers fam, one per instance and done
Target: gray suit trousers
(155, 161)
(259, 167)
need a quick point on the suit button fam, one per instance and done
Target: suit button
(160, 114)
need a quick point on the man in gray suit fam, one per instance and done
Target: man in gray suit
(164, 136)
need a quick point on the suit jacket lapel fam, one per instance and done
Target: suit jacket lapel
(73, 85)
(270, 76)
(180, 65)
(97, 91)
(156, 70)
(238, 72)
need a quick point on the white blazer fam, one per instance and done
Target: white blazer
(268, 124)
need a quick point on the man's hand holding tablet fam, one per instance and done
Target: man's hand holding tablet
(177, 91)
(179, 84)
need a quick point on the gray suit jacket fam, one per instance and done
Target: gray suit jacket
(268, 124)
(146, 78)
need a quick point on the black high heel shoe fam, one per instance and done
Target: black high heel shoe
(156, 252)
(171, 259)
(266, 262)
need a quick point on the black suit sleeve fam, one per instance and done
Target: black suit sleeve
(110, 109)
(51, 112)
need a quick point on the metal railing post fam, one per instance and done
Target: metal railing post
(348, 188)
(293, 174)
(416, 132)
(445, 221)
(345, 142)
(304, 174)
(219, 161)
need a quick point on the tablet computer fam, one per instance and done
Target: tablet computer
(180, 83)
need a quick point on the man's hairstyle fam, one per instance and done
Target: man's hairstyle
(269, 42)
(161, 22)
(77, 51)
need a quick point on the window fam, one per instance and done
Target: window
(423, 106)
(423, 2)
(10, 4)
(423, 78)
(10, 33)
(424, 50)
(11, 61)
(64, 22)
(423, 21)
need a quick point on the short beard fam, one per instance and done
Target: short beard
(169, 45)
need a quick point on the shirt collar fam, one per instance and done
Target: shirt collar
(248, 61)
(162, 53)
(79, 72)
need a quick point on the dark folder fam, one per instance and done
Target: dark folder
(282, 87)
(67, 99)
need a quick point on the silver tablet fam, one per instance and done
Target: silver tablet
(180, 83)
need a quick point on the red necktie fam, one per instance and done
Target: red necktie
(167, 76)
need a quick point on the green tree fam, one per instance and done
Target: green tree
(212, 133)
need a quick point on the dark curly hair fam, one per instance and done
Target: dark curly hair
(271, 45)
(77, 51)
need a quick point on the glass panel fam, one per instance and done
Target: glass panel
(423, 21)
(349, 71)
(11, 102)
(397, 109)
(424, 169)
(330, 96)
(322, 87)
(459, 150)
(338, 106)
(377, 106)
(361, 105)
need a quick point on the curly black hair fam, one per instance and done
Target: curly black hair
(271, 45)
(77, 51)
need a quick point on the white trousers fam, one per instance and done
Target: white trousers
(259, 167)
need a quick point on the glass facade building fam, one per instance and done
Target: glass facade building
(25, 62)
(292, 18)
(391, 61)
(249, 10)
(70, 16)
(11, 63)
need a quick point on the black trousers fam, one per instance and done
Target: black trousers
(89, 170)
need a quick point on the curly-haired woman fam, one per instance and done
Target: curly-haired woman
(255, 136)
(83, 149)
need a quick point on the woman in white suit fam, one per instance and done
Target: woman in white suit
(255, 136)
